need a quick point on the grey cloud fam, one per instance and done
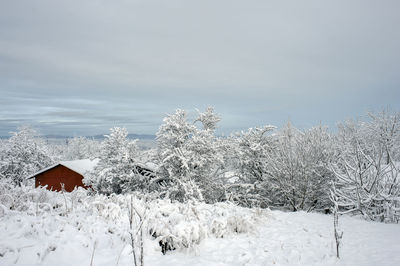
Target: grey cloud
(258, 62)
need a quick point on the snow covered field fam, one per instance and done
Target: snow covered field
(297, 239)
(48, 228)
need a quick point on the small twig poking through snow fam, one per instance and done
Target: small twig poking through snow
(131, 220)
(94, 248)
(335, 210)
(65, 199)
(119, 255)
(136, 237)
(338, 233)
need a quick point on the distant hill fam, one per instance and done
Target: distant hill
(130, 136)
(98, 137)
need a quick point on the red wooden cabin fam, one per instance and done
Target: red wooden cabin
(68, 173)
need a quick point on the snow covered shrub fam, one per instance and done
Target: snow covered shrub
(229, 218)
(14, 198)
(180, 226)
(175, 226)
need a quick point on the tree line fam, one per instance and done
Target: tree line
(285, 168)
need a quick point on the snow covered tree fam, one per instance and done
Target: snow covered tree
(299, 174)
(4, 147)
(205, 159)
(367, 173)
(318, 148)
(251, 158)
(24, 155)
(116, 171)
(190, 158)
(254, 147)
(173, 154)
(209, 119)
(79, 148)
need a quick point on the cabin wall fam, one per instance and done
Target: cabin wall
(58, 175)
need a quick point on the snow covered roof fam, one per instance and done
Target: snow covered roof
(79, 166)
(148, 165)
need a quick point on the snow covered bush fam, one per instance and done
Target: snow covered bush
(185, 225)
(175, 226)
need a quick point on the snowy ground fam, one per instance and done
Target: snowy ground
(46, 232)
(296, 239)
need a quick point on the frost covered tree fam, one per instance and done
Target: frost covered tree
(318, 145)
(25, 153)
(4, 147)
(251, 150)
(254, 146)
(205, 158)
(367, 170)
(299, 174)
(287, 169)
(209, 119)
(173, 154)
(190, 158)
(116, 171)
(81, 148)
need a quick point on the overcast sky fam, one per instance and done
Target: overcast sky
(81, 67)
